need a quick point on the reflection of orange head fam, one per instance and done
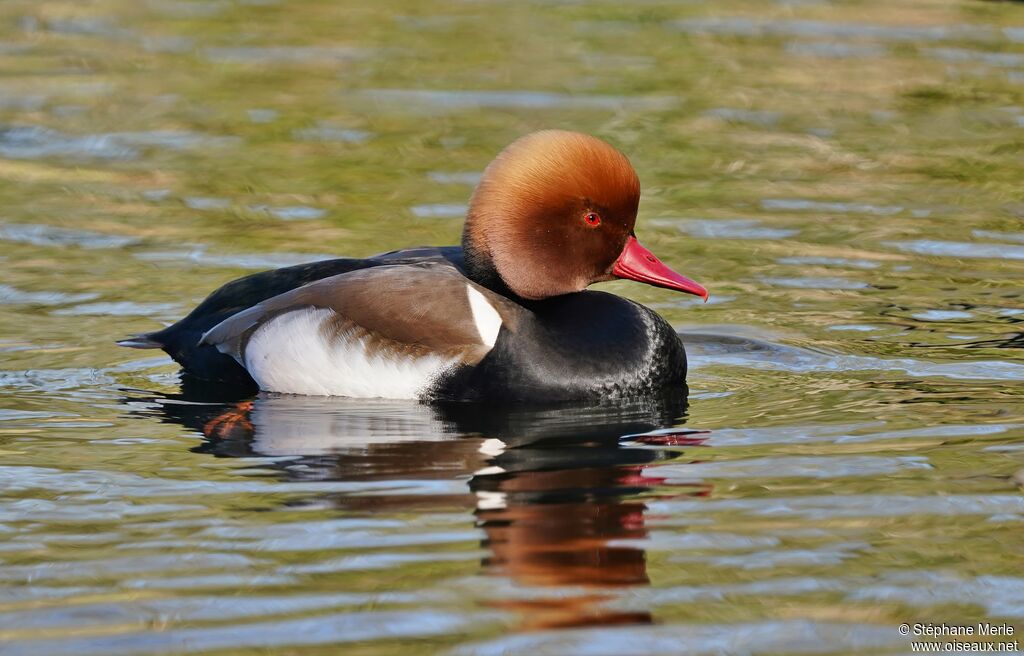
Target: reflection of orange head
(566, 543)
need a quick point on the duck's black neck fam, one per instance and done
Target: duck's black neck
(480, 269)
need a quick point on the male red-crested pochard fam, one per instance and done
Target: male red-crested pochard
(504, 317)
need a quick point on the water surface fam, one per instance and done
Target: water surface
(844, 178)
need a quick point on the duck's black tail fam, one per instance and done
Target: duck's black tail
(181, 342)
(140, 341)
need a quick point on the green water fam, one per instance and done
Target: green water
(845, 178)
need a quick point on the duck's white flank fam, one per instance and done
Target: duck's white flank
(291, 354)
(492, 447)
(486, 318)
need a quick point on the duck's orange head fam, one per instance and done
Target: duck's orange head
(554, 213)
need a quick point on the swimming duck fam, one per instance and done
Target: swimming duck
(503, 317)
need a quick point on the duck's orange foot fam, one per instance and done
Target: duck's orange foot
(227, 422)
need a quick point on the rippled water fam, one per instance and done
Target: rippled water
(844, 177)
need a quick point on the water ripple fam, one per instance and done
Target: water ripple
(821, 29)
(823, 508)
(46, 235)
(338, 628)
(959, 249)
(458, 100)
(772, 637)
(724, 228)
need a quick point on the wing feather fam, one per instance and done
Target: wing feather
(407, 309)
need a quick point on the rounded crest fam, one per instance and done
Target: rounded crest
(551, 214)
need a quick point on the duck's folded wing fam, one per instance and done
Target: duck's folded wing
(386, 331)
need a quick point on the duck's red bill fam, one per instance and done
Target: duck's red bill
(638, 263)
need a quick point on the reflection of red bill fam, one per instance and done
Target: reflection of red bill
(670, 438)
(635, 476)
(647, 477)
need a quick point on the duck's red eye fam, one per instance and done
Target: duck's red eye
(592, 219)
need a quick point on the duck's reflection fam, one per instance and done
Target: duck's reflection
(555, 527)
(554, 489)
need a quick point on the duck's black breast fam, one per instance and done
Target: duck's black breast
(577, 346)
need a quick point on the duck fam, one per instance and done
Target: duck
(506, 316)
